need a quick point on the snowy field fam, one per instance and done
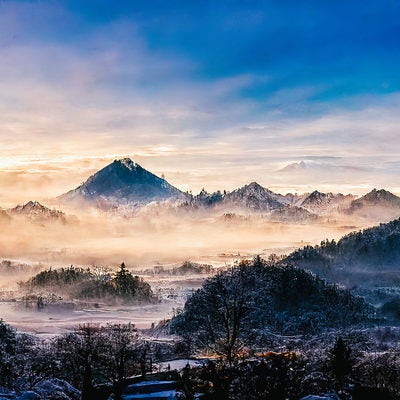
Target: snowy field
(54, 320)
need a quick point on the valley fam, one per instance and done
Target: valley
(128, 254)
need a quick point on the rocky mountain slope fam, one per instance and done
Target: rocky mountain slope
(121, 182)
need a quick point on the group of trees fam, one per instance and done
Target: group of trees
(240, 308)
(80, 283)
(87, 356)
(99, 354)
(358, 258)
(270, 310)
(98, 359)
(366, 261)
(334, 364)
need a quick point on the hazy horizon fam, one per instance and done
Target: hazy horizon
(46, 186)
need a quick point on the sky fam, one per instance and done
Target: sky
(215, 94)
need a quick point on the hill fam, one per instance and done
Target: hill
(247, 303)
(254, 197)
(323, 203)
(78, 283)
(367, 257)
(292, 214)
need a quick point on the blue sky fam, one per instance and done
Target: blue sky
(211, 93)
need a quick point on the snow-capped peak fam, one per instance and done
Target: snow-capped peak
(127, 163)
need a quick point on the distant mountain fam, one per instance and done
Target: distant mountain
(376, 198)
(294, 167)
(293, 214)
(318, 167)
(322, 203)
(254, 197)
(35, 210)
(122, 182)
(205, 199)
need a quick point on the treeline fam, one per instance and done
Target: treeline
(357, 258)
(92, 358)
(240, 308)
(80, 283)
(187, 268)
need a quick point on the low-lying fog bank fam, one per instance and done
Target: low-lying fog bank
(147, 238)
(148, 243)
(49, 310)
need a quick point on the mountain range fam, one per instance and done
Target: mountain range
(125, 183)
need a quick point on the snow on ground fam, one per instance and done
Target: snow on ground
(55, 320)
(180, 364)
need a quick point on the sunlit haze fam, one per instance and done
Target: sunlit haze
(296, 97)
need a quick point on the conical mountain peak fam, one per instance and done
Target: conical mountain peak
(121, 182)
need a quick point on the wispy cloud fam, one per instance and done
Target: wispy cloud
(202, 102)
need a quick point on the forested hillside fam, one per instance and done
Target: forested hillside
(369, 257)
(242, 306)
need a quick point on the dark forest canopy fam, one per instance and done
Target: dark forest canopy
(81, 283)
(365, 257)
(242, 306)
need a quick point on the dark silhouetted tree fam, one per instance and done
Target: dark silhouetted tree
(341, 362)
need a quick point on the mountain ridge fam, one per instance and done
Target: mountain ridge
(124, 182)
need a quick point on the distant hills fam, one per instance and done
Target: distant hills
(34, 209)
(381, 198)
(252, 197)
(321, 203)
(293, 214)
(255, 198)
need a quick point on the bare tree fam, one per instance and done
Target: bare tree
(120, 353)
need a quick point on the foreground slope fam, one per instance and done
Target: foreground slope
(242, 306)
